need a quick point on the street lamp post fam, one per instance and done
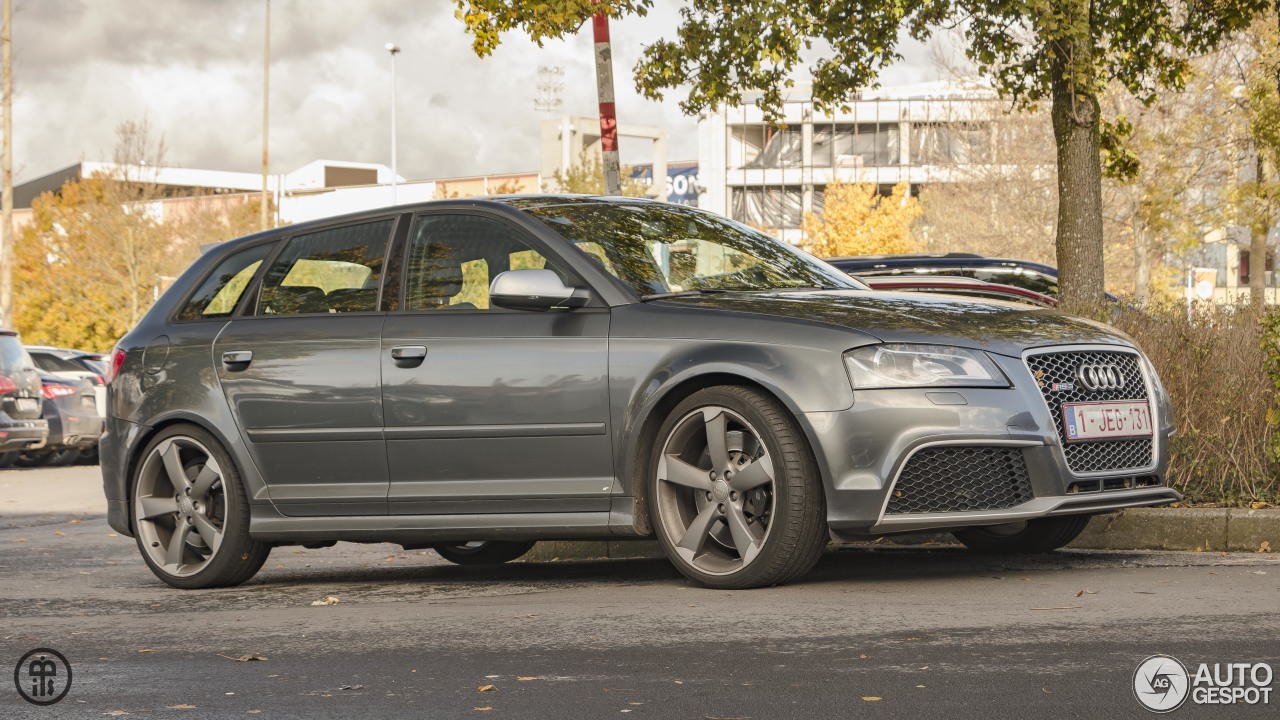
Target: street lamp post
(394, 50)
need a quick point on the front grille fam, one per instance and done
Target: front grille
(956, 479)
(1092, 455)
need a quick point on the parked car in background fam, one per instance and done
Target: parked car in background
(70, 409)
(21, 426)
(74, 365)
(961, 286)
(1037, 277)
(477, 375)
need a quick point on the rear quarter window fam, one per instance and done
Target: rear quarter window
(219, 294)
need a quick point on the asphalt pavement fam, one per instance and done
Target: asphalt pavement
(874, 631)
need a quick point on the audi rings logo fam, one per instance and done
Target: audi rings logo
(1100, 377)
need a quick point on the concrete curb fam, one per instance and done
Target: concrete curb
(1186, 529)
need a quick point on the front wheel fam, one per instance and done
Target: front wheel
(1024, 538)
(484, 552)
(734, 491)
(191, 514)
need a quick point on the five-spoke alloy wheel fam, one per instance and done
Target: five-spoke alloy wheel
(190, 512)
(734, 491)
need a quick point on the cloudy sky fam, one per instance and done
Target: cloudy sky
(193, 69)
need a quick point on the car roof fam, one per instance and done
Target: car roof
(516, 202)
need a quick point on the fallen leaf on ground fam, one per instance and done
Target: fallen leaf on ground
(329, 600)
(871, 698)
(22, 540)
(112, 535)
(486, 708)
(1265, 547)
(73, 521)
(116, 713)
(486, 688)
(183, 706)
(244, 658)
(526, 678)
(1046, 691)
(58, 533)
(253, 712)
(146, 650)
(1259, 505)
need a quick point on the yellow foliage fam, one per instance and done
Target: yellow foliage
(856, 220)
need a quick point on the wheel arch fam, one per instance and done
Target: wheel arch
(658, 407)
(144, 439)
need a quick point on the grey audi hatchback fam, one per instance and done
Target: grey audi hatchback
(477, 375)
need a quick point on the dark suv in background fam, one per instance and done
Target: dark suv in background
(20, 398)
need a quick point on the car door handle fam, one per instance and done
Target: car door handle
(408, 355)
(237, 358)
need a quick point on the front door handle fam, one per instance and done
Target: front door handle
(408, 355)
(237, 359)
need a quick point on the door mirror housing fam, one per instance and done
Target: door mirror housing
(534, 290)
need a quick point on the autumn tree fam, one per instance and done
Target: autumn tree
(1059, 52)
(857, 220)
(97, 254)
(586, 177)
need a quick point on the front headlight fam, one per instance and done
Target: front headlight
(896, 366)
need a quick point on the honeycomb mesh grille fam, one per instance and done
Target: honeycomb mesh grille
(1092, 455)
(956, 479)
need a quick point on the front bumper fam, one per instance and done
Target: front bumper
(862, 451)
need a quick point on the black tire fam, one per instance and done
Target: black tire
(62, 457)
(1042, 535)
(8, 458)
(88, 456)
(35, 458)
(484, 552)
(238, 557)
(795, 533)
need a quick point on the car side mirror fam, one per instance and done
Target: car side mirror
(534, 290)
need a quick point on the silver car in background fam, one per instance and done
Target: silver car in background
(477, 375)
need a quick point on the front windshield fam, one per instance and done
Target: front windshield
(657, 249)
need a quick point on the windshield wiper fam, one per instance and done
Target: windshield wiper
(683, 293)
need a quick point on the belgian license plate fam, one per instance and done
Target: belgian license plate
(27, 405)
(1103, 420)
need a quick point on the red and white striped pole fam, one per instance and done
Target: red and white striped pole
(608, 116)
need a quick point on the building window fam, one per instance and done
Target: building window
(768, 207)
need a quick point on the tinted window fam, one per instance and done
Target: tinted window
(12, 356)
(55, 364)
(219, 294)
(658, 248)
(331, 271)
(454, 258)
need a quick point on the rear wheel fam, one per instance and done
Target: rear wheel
(191, 513)
(8, 458)
(734, 491)
(1024, 538)
(62, 457)
(36, 458)
(484, 552)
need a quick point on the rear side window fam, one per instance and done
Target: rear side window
(219, 294)
(54, 364)
(331, 271)
(12, 355)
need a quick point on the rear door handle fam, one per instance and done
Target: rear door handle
(408, 355)
(237, 358)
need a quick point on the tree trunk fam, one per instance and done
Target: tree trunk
(1076, 132)
(1141, 261)
(1259, 230)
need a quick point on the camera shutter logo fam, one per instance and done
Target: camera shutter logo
(1161, 684)
(42, 676)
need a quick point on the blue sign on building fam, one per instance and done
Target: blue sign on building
(682, 181)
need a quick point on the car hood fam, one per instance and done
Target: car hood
(998, 327)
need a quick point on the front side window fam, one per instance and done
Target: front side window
(453, 259)
(331, 271)
(656, 248)
(219, 294)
